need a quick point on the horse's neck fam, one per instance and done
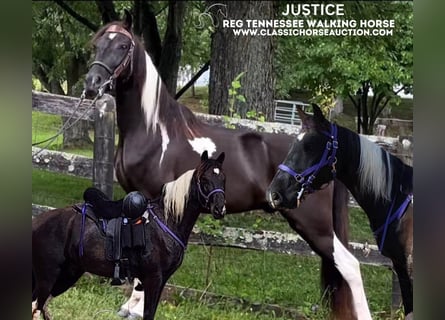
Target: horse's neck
(139, 99)
(192, 209)
(191, 214)
(348, 155)
(130, 116)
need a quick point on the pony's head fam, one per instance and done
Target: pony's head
(114, 46)
(206, 183)
(211, 183)
(309, 163)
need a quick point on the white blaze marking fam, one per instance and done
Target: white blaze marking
(300, 136)
(216, 170)
(200, 145)
(111, 35)
(165, 141)
(150, 94)
(349, 267)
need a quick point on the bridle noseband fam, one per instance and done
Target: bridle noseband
(207, 197)
(125, 61)
(328, 158)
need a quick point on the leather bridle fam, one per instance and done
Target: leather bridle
(128, 59)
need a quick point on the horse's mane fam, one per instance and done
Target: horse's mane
(375, 169)
(161, 108)
(176, 194)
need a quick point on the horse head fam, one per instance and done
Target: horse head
(114, 46)
(211, 182)
(309, 163)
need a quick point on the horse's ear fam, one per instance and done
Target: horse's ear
(204, 156)
(221, 157)
(305, 118)
(318, 114)
(128, 20)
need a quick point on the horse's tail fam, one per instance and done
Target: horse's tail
(334, 287)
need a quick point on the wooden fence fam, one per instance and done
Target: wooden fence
(100, 170)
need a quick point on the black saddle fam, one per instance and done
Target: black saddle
(132, 206)
(103, 207)
(122, 224)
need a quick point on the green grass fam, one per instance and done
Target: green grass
(59, 190)
(258, 277)
(93, 298)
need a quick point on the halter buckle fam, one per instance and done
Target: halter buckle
(299, 196)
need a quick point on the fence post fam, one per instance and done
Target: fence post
(104, 129)
(396, 295)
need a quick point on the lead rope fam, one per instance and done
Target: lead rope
(67, 123)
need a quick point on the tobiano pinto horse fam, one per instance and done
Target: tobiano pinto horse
(160, 139)
(56, 239)
(380, 182)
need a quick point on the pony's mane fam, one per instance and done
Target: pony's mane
(375, 170)
(176, 195)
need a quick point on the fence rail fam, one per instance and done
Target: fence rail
(264, 240)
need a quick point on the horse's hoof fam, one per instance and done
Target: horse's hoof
(123, 313)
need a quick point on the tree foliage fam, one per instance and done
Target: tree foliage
(351, 67)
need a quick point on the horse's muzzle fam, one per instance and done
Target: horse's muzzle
(274, 199)
(219, 213)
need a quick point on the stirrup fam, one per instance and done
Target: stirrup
(117, 281)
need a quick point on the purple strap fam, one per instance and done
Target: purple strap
(164, 227)
(391, 217)
(207, 197)
(82, 227)
(307, 176)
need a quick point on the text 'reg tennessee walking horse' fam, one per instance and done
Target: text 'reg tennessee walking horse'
(380, 182)
(160, 139)
(58, 261)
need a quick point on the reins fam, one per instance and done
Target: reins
(69, 124)
(113, 75)
(328, 158)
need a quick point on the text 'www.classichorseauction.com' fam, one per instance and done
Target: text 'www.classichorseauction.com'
(311, 23)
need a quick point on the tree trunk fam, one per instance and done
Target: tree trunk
(231, 55)
(76, 136)
(172, 46)
(166, 55)
(107, 11)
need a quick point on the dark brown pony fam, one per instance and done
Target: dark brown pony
(56, 235)
(380, 182)
(159, 139)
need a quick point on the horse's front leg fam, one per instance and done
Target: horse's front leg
(153, 286)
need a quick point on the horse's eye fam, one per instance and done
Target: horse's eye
(124, 46)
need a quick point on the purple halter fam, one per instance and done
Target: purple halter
(207, 197)
(306, 177)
